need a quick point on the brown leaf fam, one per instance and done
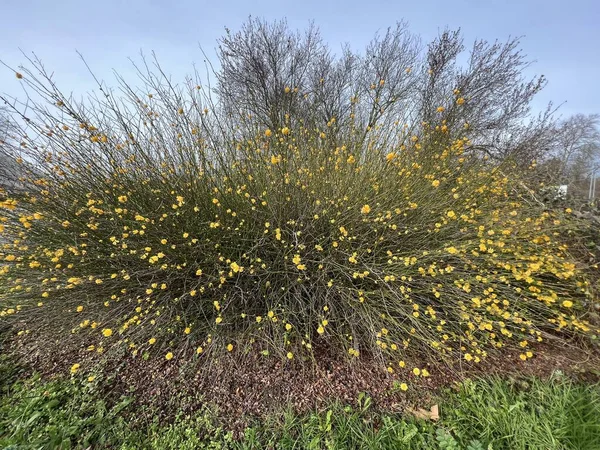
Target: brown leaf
(432, 414)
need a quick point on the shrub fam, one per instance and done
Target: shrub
(150, 222)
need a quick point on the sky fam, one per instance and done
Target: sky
(562, 37)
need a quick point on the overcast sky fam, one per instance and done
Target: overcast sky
(562, 36)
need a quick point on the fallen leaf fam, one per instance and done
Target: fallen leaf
(432, 414)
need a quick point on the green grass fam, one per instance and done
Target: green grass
(557, 413)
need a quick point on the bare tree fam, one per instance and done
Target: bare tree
(272, 77)
(577, 144)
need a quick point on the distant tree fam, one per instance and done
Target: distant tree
(578, 145)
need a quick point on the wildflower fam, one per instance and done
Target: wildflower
(151, 341)
(258, 319)
(416, 371)
(435, 183)
(366, 209)
(268, 133)
(229, 347)
(235, 267)
(403, 387)
(390, 156)
(567, 303)
(199, 350)
(107, 332)
(440, 109)
(285, 131)
(79, 308)
(290, 355)
(75, 367)
(169, 356)
(91, 378)
(320, 330)
(460, 101)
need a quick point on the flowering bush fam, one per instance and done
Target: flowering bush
(151, 222)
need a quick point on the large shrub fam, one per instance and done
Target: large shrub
(150, 221)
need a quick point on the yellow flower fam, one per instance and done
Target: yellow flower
(416, 371)
(122, 198)
(451, 214)
(229, 347)
(258, 319)
(290, 355)
(79, 308)
(188, 330)
(435, 183)
(440, 109)
(169, 356)
(107, 332)
(460, 101)
(199, 350)
(390, 156)
(75, 368)
(567, 303)
(468, 357)
(523, 357)
(288, 326)
(285, 131)
(218, 320)
(91, 378)
(268, 133)
(198, 272)
(320, 330)
(403, 387)
(151, 341)
(366, 209)
(235, 267)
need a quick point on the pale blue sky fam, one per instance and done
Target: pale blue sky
(563, 36)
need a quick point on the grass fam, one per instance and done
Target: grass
(553, 414)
